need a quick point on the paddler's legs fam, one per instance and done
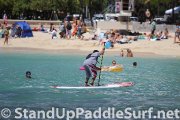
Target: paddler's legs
(94, 72)
(92, 82)
(88, 74)
(86, 82)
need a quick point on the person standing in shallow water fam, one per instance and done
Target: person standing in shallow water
(129, 53)
(122, 53)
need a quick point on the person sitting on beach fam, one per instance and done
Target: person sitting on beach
(166, 34)
(54, 33)
(41, 28)
(177, 35)
(159, 36)
(129, 53)
(112, 40)
(162, 35)
(90, 66)
(95, 37)
(18, 31)
(122, 39)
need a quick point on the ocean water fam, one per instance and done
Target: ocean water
(157, 83)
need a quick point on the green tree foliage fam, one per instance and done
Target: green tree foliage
(16, 8)
(44, 8)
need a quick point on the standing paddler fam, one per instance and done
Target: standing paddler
(90, 66)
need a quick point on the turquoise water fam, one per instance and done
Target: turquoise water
(157, 83)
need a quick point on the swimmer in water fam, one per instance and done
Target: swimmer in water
(28, 74)
(113, 66)
(134, 64)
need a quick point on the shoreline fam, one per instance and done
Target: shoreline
(43, 43)
(22, 50)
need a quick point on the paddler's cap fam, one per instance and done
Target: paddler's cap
(95, 51)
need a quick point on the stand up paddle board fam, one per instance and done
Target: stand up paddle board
(113, 85)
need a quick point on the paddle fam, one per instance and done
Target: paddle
(100, 68)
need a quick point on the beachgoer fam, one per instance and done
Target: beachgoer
(113, 66)
(51, 27)
(129, 53)
(166, 34)
(134, 64)
(18, 32)
(13, 30)
(6, 35)
(28, 74)
(42, 28)
(159, 36)
(79, 30)
(2, 32)
(54, 33)
(95, 37)
(62, 32)
(90, 66)
(5, 19)
(122, 53)
(177, 35)
(75, 27)
(153, 27)
(122, 40)
(113, 63)
(68, 30)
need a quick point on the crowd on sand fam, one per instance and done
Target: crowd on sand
(116, 37)
(77, 28)
(66, 30)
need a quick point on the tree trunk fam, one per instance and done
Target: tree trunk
(91, 12)
(158, 7)
(173, 16)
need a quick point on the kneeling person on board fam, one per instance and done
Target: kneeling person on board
(90, 65)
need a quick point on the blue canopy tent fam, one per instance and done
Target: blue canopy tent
(26, 29)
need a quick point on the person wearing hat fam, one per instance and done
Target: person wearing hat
(90, 66)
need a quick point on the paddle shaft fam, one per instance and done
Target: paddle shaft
(100, 71)
(100, 68)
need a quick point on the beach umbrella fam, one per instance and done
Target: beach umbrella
(176, 10)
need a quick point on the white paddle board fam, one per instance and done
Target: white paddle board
(113, 85)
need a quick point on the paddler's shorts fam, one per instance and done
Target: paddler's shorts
(91, 71)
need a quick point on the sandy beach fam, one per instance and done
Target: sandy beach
(43, 42)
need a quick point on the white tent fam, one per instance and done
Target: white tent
(176, 10)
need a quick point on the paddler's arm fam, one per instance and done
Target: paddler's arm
(102, 51)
